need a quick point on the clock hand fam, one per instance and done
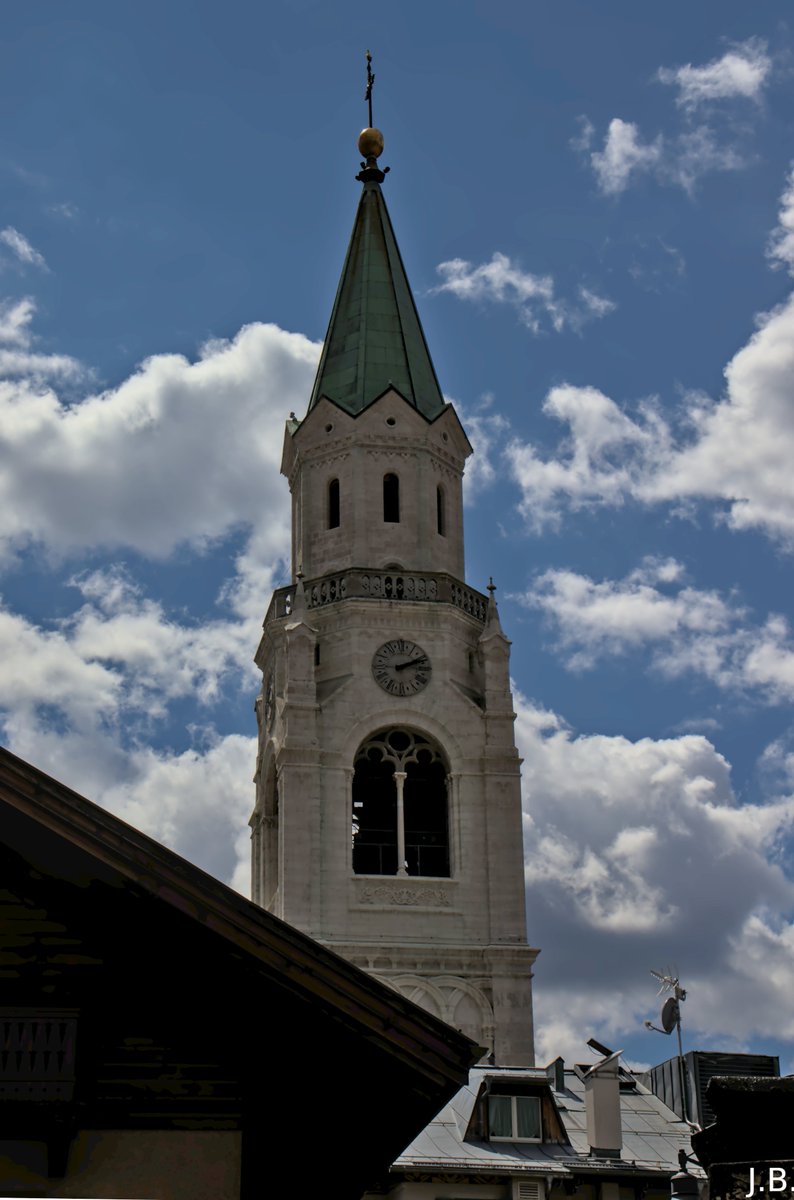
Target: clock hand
(412, 662)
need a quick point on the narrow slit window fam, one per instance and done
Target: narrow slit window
(333, 504)
(441, 511)
(391, 498)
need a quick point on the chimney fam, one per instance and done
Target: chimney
(556, 1074)
(602, 1107)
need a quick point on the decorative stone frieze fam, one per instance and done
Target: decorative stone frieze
(391, 894)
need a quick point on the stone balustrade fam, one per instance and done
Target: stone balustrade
(363, 584)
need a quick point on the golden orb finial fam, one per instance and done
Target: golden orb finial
(370, 142)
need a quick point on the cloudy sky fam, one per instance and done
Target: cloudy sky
(596, 208)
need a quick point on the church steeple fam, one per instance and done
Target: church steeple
(375, 339)
(388, 813)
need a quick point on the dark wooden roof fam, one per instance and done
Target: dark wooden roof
(197, 1008)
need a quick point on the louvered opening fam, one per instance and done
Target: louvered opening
(527, 1189)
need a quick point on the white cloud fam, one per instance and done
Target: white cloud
(197, 801)
(584, 139)
(741, 72)
(21, 248)
(688, 629)
(698, 152)
(501, 281)
(160, 658)
(736, 452)
(15, 319)
(81, 702)
(780, 250)
(743, 446)
(599, 306)
(118, 657)
(607, 617)
(180, 452)
(624, 154)
(627, 844)
(679, 160)
(39, 366)
(16, 356)
(602, 461)
(485, 430)
(65, 210)
(43, 668)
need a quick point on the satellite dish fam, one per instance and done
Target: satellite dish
(671, 1014)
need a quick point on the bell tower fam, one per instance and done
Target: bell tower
(388, 810)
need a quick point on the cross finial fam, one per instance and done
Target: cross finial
(370, 81)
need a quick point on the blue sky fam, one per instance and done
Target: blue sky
(596, 209)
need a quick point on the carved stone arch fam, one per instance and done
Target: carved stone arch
(421, 991)
(408, 718)
(467, 1007)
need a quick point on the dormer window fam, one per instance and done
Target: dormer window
(515, 1105)
(514, 1118)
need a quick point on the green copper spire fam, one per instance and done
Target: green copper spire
(375, 339)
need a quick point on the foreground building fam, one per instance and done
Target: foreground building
(523, 1134)
(160, 1035)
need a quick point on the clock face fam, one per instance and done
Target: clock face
(401, 668)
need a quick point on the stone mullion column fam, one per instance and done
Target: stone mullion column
(399, 780)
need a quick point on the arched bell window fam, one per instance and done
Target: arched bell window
(333, 504)
(391, 498)
(400, 807)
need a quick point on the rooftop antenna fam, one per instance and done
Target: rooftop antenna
(669, 982)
